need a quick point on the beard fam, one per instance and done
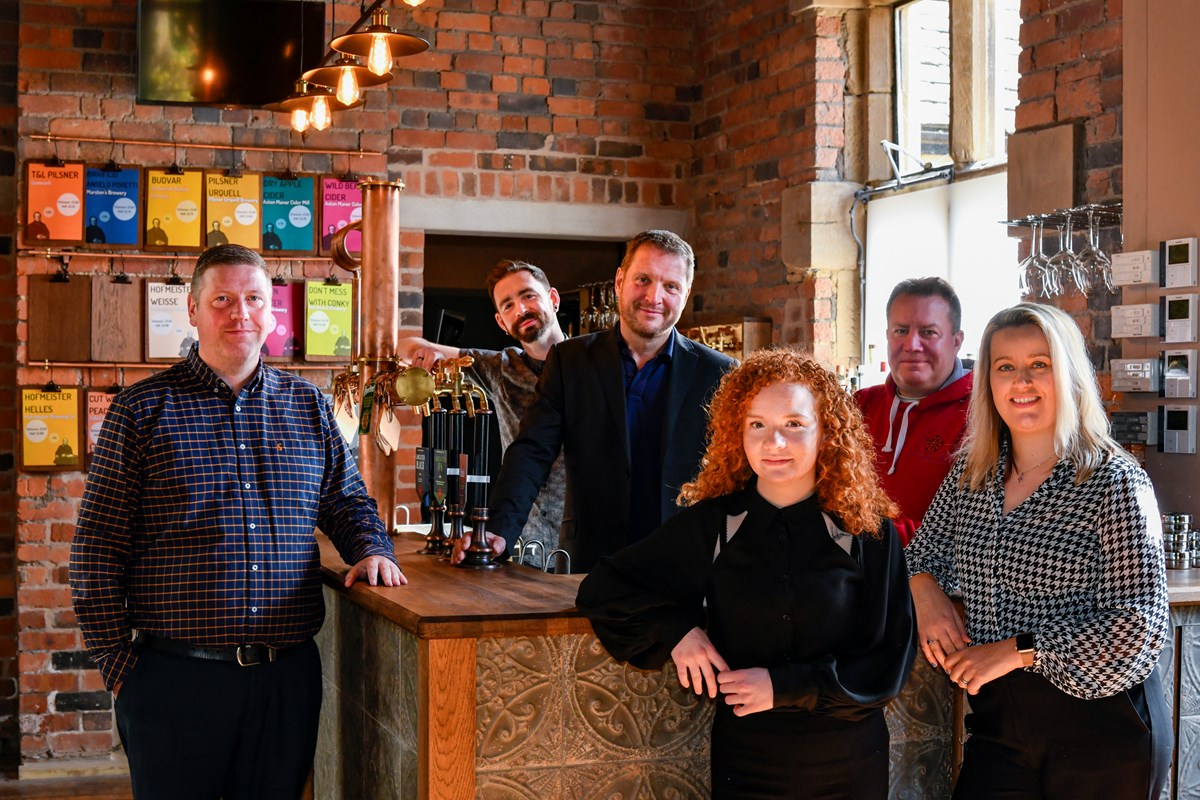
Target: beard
(631, 321)
(531, 334)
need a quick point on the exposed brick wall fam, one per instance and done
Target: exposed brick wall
(582, 102)
(708, 106)
(1071, 72)
(769, 116)
(9, 750)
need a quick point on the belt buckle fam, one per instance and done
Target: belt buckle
(248, 648)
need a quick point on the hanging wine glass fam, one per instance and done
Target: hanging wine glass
(1035, 273)
(591, 313)
(1026, 272)
(1063, 263)
(1093, 261)
(610, 305)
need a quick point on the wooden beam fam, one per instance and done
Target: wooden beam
(446, 719)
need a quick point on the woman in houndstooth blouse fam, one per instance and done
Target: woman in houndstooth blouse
(1052, 534)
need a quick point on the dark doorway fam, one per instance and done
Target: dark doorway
(456, 266)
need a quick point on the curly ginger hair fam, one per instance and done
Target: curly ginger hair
(846, 481)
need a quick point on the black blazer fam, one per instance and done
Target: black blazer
(580, 408)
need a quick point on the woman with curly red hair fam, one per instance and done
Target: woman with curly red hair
(782, 587)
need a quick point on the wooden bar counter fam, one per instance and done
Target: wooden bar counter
(489, 684)
(471, 683)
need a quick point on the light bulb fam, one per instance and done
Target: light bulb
(414, 3)
(299, 120)
(320, 115)
(379, 60)
(347, 88)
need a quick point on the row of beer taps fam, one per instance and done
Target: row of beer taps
(451, 462)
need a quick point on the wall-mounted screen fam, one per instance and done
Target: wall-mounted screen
(228, 53)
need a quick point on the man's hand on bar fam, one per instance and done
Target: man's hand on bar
(495, 543)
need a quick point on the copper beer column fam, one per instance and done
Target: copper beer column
(378, 321)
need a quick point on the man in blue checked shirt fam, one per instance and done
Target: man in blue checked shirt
(194, 570)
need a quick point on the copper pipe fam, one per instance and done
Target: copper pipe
(51, 253)
(49, 137)
(377, 274)
(283, 365)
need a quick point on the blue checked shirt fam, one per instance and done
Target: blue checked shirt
(197, 520)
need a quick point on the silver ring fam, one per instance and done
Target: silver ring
(931, 641)
(964, 683)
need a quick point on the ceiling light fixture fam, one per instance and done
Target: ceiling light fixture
(311, 106)
(339, 85)
(347, 77)
(380, 43)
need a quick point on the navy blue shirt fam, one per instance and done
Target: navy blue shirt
(197, 519)
(645, 410)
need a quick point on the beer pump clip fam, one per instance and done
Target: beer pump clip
(346, 402)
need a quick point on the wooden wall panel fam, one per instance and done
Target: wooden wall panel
(116, 320)
(60, 319)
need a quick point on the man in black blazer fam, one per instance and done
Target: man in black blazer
(627, 408)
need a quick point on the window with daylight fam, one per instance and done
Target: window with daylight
(948, 230)
(923, 80)
(956, 79)
(955, 71)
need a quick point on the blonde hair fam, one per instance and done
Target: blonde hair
(846, 482)
(1081, 433)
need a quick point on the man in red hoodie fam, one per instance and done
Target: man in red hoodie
(918, 414)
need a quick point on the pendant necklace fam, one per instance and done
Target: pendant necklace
(1022, 472)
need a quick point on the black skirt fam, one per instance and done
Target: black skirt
(786, 755)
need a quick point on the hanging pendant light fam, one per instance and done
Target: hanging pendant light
(347, 77)
(310, 106)
(299, 120)
(320, 116)
(379, 43)
(380, 59)
(347, 90)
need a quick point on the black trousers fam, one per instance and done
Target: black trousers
(203, 730)
(794, 755)
(1030, 740)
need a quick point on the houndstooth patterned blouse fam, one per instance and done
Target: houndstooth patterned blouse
(1081, 567)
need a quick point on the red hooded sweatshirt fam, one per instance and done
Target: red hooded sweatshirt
(915, 442)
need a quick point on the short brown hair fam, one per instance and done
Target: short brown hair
(506, 268)
(226, 255)
(929, 287)
(665, 241)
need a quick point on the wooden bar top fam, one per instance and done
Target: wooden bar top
(445, 602)
(1183, 586)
